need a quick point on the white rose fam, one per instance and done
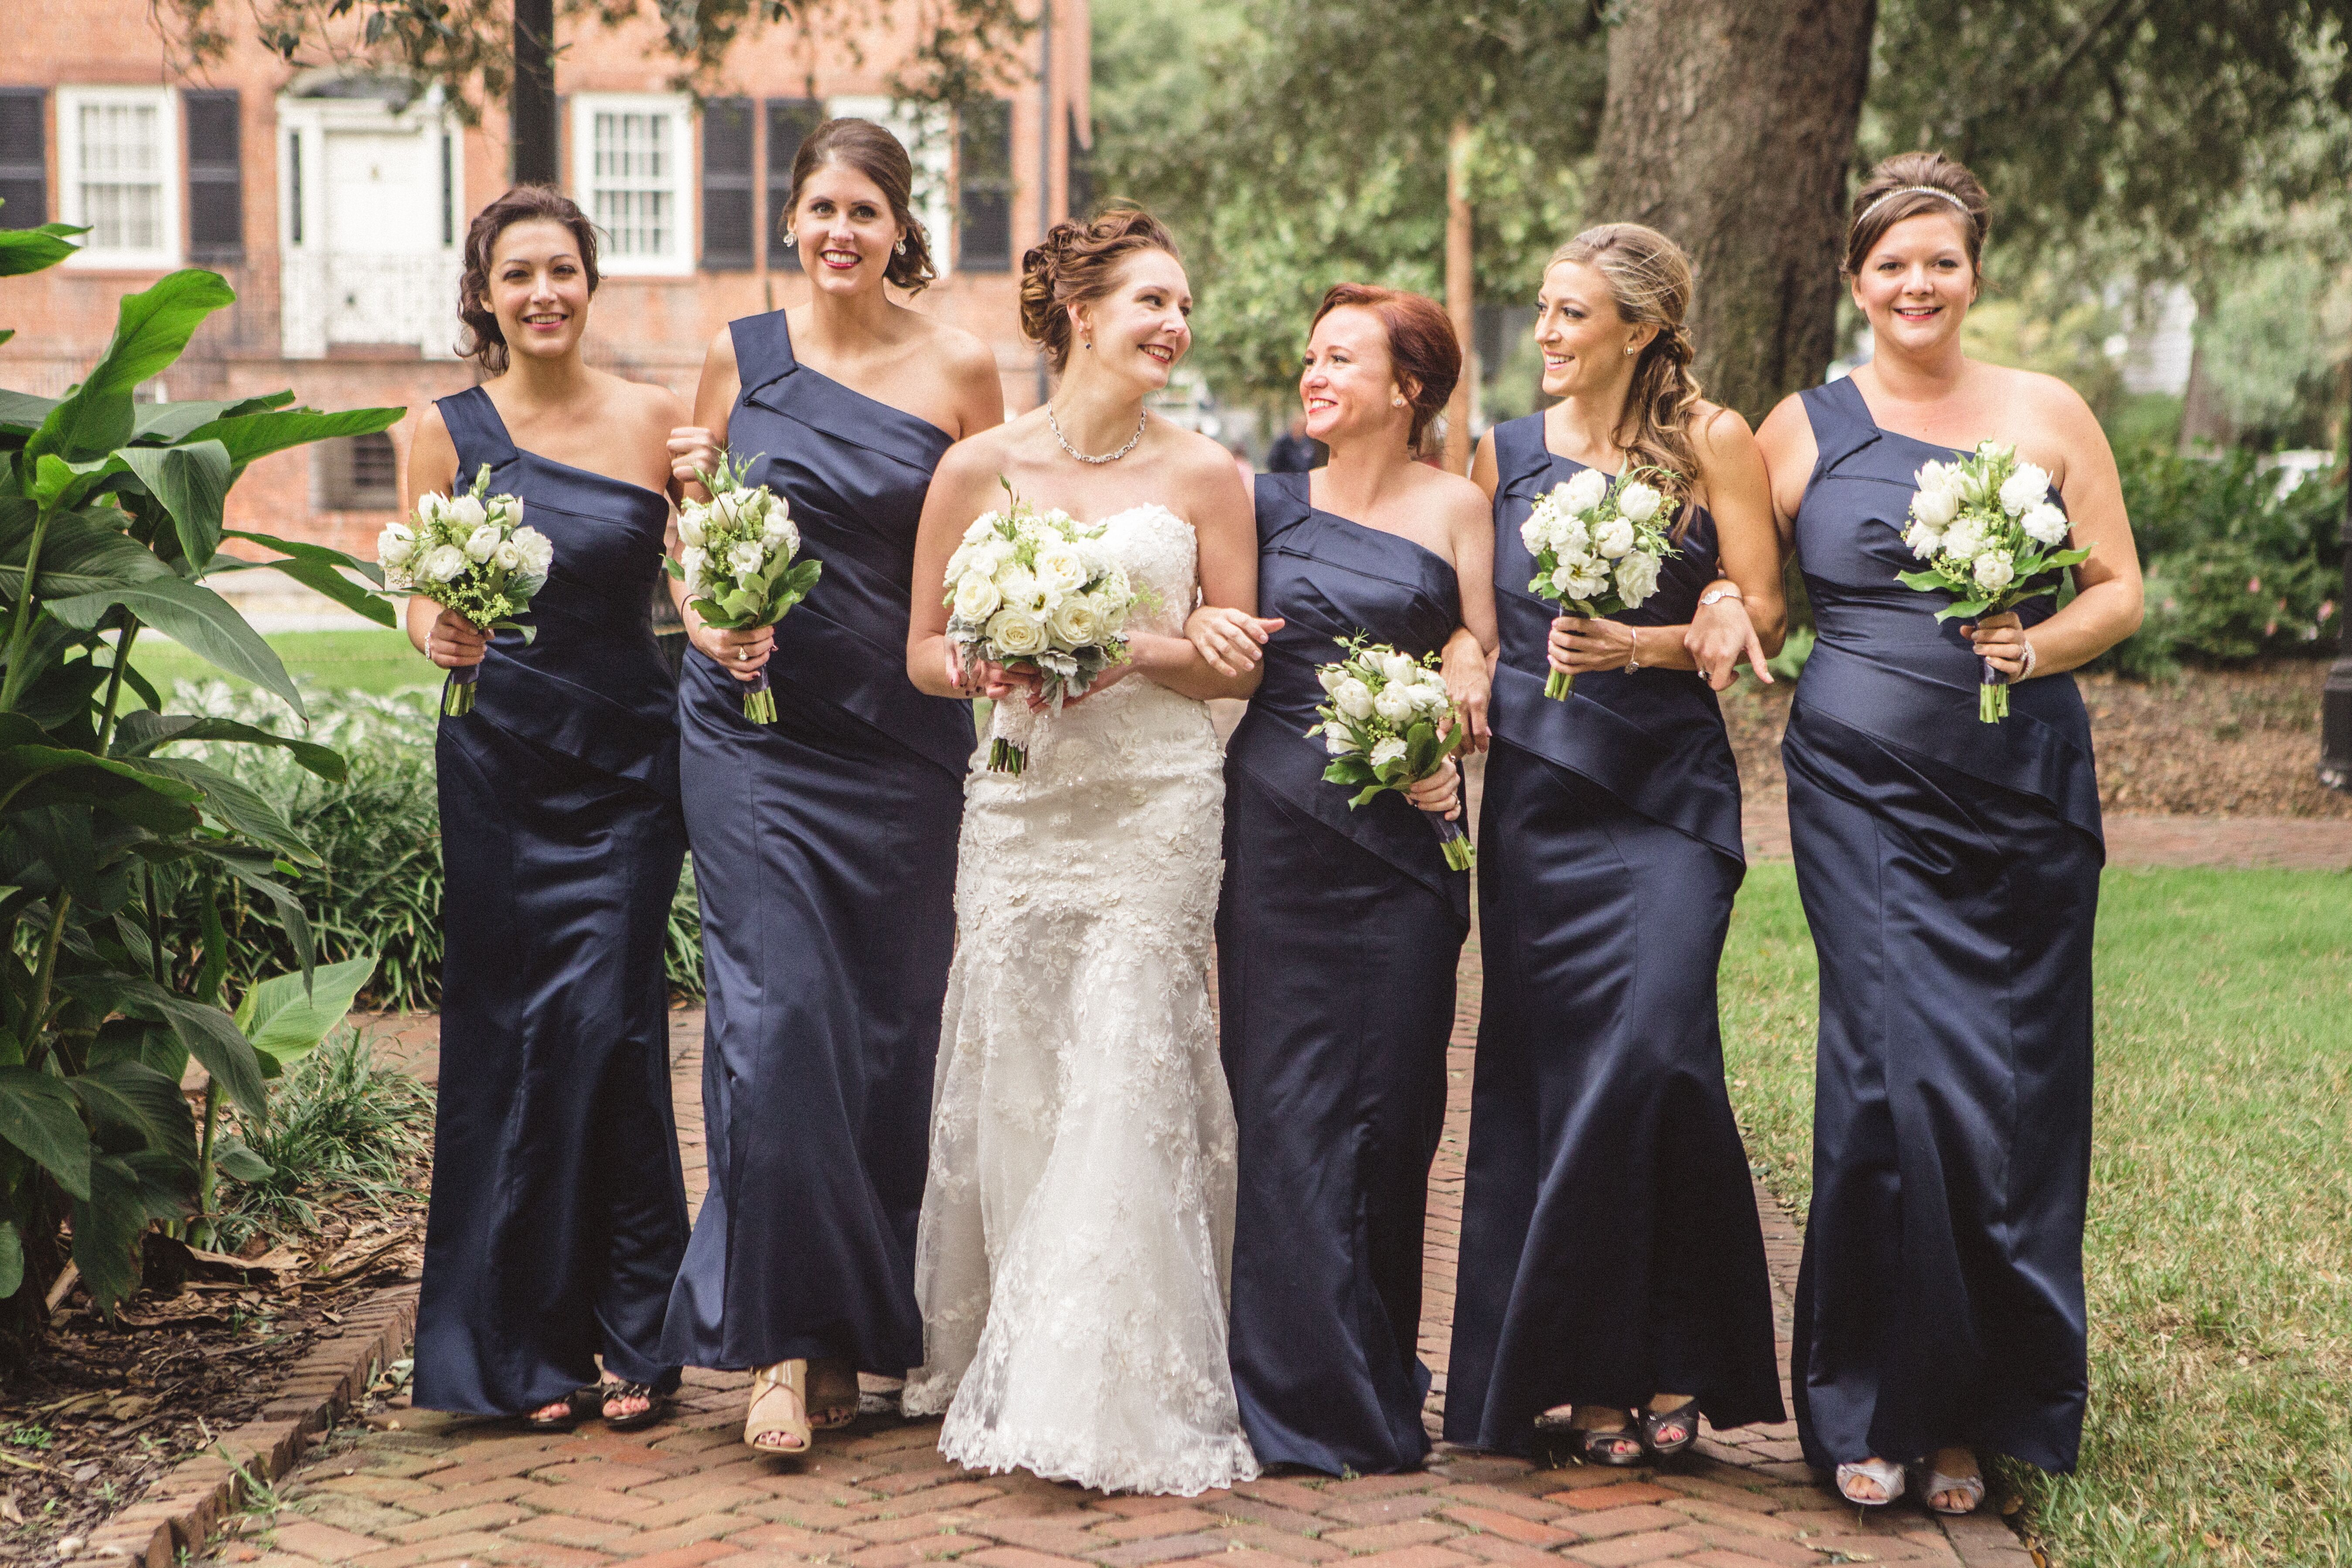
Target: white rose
(505, 557)
(1016, 633)
(1078, 622)
(395, 544)
(1936, 508)
(1061, 568)
(1639, 501)
(1590, 584)
(1637, 577)
(466, 514)
(1586, 490)
(1020, 587)
(778, 533)
(1964, 539)
(2027, 487)
(1394, 704)
(442, 564)
(1994, 570)
(1532, 532)
(993, 554)
(745, 559)
(1329, 676)
(2044, 523)
(1569, 536)
(483, 543)
(1924, 541)
(1615, 538)
(1429, 698)
(1337, 740)
(538, 552)
(690, 529)
(1354, 697)
(696, 563)
(976, 598)
(1397, 667)
(1388, 750)
(982, 529)
(732, 508)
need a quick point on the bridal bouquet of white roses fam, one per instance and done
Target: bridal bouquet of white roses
(1598, 547)
(1035, 591)
(1389, 724)
(470, 553)
(1991, 535)
(738, 563)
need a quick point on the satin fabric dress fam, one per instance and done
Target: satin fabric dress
(1951, 873)
(1610, 1248)
(825, 852)
(558, 1212)
(1337, 943)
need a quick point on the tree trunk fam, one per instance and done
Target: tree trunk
(1460, 305)
(1730, 125)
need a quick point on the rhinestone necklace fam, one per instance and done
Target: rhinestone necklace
(1140, 419)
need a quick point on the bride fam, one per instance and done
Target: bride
(1077, 1227)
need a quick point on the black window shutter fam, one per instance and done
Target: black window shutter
(984, 187)
(1081, 202)
(24, 157)
(727, 198)
(790, 120)
(215, 176)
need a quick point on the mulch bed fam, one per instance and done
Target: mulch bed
(103, 1409)
(2213, 742)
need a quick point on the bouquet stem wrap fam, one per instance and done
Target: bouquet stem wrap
(458, 697)
(1010, 729)
(1459, 855)
(1992, 695)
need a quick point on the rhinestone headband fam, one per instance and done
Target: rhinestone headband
(1915, 191)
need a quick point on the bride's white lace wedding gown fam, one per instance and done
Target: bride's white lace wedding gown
(1076, 1232)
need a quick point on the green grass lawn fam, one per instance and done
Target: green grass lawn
(372, 660)
(2219, 1250)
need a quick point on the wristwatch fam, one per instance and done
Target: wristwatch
(1726, 592)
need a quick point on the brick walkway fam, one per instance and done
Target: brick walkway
(414, 1489)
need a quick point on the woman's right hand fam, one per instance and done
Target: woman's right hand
(1229, 640)
(453, 642)
(693, 452)
(740, 654)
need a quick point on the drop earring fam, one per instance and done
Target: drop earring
(792, 240)
(899, 248)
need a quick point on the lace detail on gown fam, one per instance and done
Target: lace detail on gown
(1076, 1234)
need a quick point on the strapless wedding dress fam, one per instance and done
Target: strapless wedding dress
(1072, 1260)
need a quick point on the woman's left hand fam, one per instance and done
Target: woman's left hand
(1470, 687)
(1440, 792)
(1580, 646)
(1109, 676)
(2000, 640)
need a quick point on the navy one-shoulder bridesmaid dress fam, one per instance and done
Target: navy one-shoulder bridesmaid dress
(558, 1213)
(1610, 1243)
(824, 850)
(1951, 873)
(1336, 942)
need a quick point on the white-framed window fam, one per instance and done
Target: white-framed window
(632, 170)
(119, 173)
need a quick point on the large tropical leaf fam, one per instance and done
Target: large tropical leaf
(62, 836)
(237, 806)
(22, 413)
(39, 1115)
(34, 772)
(253, 868)
(12, 1260)
(127, 1193)
(168, 421)
(134, 1107)
(24, 250)
(197, 619)
(251, 436)
(210, 1034)
(152, 329)
(79, 553)
(315, 567)
(140, 733)
(192, 481)
(319, 553)
(286, 1022)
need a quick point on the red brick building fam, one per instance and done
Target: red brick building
(335, 202)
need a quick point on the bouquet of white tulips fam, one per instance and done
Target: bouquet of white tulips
(1991, 535)
(470, 553)
(1598, 547)
(737, 562)
(1035, 591)
(1389, 724)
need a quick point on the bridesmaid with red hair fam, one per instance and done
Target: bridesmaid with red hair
(1341, 929)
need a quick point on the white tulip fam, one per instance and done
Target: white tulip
(1590, 584)
(690, 530)
(505, 557)
(1337, 740)
(1639, 501)
(1585, 491)
(1397, 667)
(1329, 676)
(1532, 532)
(1569, 536)
(695, 561)
(395, 544)
(466, 514)
(1386, 751)
(1615, 538)
(1354, 697)
(1965, 539)
(1394, 704)
(483, 543)
(2044, 523)
(779, 534)
(1994, 570)
(1429, 698)
(1563, 579)
(1637, 577)
(2025, 488)
(746, 559)
(1924, 541)
(442, 564)
(1936, 508)
(538, 553)
(432, 509)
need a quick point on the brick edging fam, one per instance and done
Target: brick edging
(184, 1505)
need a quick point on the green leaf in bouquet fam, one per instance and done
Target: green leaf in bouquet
(151, 329)
(1350, 770)
(1367, 793)
(197, 619)
(191, 481)
(1419, 748)
(1963, 607)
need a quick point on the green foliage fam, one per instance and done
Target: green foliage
(342, 1129)
(2235, 570)
(109, 516)
(2218, 1265)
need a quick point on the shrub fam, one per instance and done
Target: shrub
(341, 1127)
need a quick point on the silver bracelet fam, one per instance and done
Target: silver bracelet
(2027, 673)
(1633, 654)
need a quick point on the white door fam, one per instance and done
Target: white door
(383, 220)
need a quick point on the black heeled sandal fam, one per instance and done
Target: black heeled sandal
(1682, 1416)
(656, 1404)
(1619, 1449)
(578, 1406)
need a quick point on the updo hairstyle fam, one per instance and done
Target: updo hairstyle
(484, 340)
(1077, 263)
(1423, 348)
(1907, 185)
(872, 151)
(1650, 279)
